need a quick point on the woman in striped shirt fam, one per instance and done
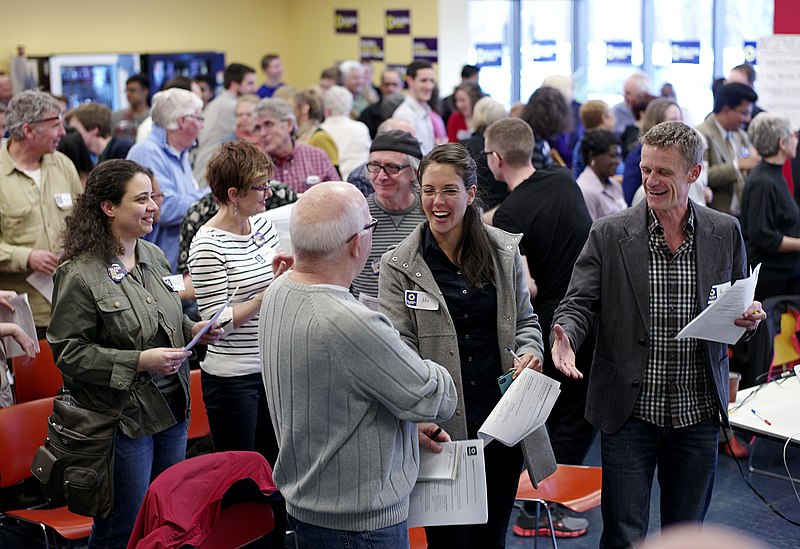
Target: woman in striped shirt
(236, 251)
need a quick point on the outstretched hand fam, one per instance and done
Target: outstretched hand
(563, 355)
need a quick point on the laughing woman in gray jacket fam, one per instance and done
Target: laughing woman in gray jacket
(455, 290)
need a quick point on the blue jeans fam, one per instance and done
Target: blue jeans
(686, 458)
(137, 462)
(315, 537)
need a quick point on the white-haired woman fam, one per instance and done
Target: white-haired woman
(770, 216)
(177, 120)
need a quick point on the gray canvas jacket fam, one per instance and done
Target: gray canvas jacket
(432, 334)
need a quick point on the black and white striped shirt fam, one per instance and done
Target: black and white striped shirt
(392, 228)
(219, 262)
(676, 390)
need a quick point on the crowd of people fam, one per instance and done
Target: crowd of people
(317, 218)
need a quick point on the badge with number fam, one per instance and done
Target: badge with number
(421, 300)
(116, 272)
(376, 266)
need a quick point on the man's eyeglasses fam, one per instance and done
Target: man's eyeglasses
(390, 169)
(485, 154)
(48, 119)
(371, 226)
(196, 117)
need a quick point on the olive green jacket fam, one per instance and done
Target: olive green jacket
(100, 326)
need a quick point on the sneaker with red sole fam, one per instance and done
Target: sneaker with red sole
(736, 448)
(565, 526)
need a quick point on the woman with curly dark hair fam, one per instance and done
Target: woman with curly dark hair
(548, 115)
(601, 189)
(118, 335)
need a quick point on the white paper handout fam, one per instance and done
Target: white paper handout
(458, 501)
(715, 323)
(23, 317)
(441, 466)
(523, 408)
(42, 283)
(211, 322)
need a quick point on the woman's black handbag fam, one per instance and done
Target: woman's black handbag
(75, 465)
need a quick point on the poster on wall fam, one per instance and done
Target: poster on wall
(425, 49)
(371, 48)
(778, 83)
(544, 51)
(686, 51)
(398, 21)
(398, 68)
(489, 55)
(619, 53)
(345, 21)
(750, 49)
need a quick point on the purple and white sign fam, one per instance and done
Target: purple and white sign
(371, 48)
(398, 21)
(426, 49)
(345, 21)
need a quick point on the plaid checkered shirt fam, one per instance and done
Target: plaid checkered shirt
(677, 389)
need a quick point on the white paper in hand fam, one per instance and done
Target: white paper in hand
(22, 317)
(523, 408)
(441, 466)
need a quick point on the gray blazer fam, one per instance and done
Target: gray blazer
(610, 284)
(723, 178)
(433, 335)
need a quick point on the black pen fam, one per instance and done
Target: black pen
(436, 433)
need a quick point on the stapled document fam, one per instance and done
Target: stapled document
(523, 408)
(461, 500)
(715, 323)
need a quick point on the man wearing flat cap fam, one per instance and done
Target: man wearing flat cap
(393, 161)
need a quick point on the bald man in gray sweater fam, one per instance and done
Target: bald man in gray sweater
(344, 391)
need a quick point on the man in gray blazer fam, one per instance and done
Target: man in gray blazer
(643, 275)
(728, 153)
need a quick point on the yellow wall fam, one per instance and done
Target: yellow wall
(301, 31)
(242, 29)
(314, 45)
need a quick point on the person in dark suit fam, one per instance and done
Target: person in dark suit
(644, 274)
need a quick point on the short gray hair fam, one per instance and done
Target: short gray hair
(26, 108)
(486, 111)
(278, 107)
(676, 135)
(316, 231)
(766, 129)
(350, 65)
(338, 100)
(169, 105)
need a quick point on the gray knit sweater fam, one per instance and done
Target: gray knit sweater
(343, 393)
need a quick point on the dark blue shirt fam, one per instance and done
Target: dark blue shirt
(474, 314)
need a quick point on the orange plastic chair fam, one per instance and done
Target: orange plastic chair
(576, 487)
(198, 425)
(23, 428)
(417, 538)
(39, 379)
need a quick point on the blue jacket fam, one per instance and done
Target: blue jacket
(174, 173)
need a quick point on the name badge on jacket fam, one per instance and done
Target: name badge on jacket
(421, 300)
(717, 290)
(174, 283)
(63, 201)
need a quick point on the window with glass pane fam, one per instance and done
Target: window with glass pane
(611, 26)
(546, 42)
(488, 28)
(758, 16)
(683, 53)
